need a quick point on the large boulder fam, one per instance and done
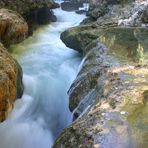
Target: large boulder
(11, 86)
(99, 8)
(34, 11)
(123, 13)
(134, 15)
(109, 96)
(13, 27)
(80, 38)
(110, 112)
(130, 44)
(24, 7)
(71, 5)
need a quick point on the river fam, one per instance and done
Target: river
(49, 68)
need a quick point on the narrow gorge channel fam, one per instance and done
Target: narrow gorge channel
(49, 68)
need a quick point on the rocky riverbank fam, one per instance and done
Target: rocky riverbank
(109, 96)
(18, 18)
(24, 17)
(11, 86)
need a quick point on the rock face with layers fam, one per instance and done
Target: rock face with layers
(109, 96)
(125, 13)
(11, 86)
(81, 38)
(13, 27)
(109, 102)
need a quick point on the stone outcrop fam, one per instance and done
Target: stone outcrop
(18, 19)
(24, 7)
(130, 42)
(109, 96)
(81, 38)
(13, 27)
(33, 11)
(11, 86)
(71, 5)
(137, 15)
(99, 8)
(125, 13)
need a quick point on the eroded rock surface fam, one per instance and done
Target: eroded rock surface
(109, 104)
(81, 38)
(13, 27)
(11, 86)
(15, 17)
(124, 13)
(33, 11)
(71, 5)
(109, 96)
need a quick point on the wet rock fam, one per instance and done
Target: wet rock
(13, 28)
(88, 20)
(109, 96)
(144, 16)
(128, 44)
(44, 16)
(24, 7)
(81, 11)
(38, 17)
(78, 38)
(134, 15)
(122, 39)
(99, 8)
(99, 11)
(35, 12)
(68, 6)
(11, 85)
(71, 5)
(86, 81)
(110, 119)
(124, 13)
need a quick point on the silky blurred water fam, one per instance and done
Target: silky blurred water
(49, 68)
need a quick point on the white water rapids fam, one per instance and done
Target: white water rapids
(49, 68)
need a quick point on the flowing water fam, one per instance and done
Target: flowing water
(49, 68)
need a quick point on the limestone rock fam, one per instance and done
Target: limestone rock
(11, 86)
(71, 5)
(35, 12)
(13, 28)
(109, 96)
(80, 38)
(133, 48)
(129, 44)
(144, 16)
(99, 8)
(134, 15)
(111, 116)
(24, 7)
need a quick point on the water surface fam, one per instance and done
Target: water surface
(49, 68)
